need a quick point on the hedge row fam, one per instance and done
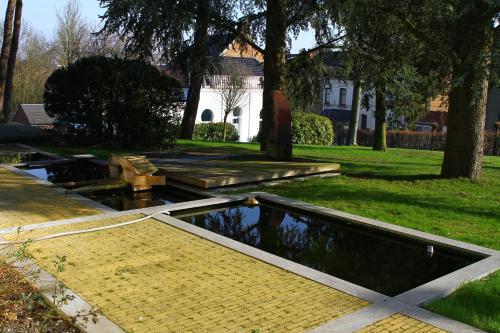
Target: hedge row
(214, 132)
(424, 140)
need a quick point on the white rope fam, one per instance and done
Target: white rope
(78, 232)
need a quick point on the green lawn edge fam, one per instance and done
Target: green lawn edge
(475, 303)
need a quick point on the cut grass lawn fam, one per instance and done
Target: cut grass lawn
(403, 187)
(476, 303)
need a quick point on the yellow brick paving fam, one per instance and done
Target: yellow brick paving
(24, 202)
(150, 277)
(400, 323)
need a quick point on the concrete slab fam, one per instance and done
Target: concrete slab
(209, 174)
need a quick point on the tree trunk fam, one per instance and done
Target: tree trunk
(379, 138)
(355, 110)
(198, 64)
(274, 63)
(224, 133)
(11, 65)
(4, 55)
(463, 155)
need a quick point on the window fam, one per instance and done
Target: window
(366, 101)
(207, 115)
(328, 92)
(237, 111)
(236, 120)
(343, 96)
(364, 121)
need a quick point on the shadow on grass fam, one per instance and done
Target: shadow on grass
(366, 175)
(379, 197)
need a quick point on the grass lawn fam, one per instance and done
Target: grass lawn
(476, 303)
(403, 187)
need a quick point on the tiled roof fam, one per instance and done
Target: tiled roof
(36, 114)
(230, 65)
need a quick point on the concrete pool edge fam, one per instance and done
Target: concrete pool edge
(433, 289)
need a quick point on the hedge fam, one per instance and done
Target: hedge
(214, 132)
(426, 140)
(115, 102)
(311, 129)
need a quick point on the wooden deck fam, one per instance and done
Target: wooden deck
(215, 173)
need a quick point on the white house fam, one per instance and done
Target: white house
(337, 103)
(246, 117)
(227, 58)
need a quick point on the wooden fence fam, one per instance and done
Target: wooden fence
(419, 140)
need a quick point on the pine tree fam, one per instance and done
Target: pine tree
(174, 29)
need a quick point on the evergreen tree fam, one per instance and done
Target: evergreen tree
(272, 22)
(385, 58)
(170, 27)
(460, 37)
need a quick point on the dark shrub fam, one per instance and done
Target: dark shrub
(115, 102)
(311, 129)
(214, 131)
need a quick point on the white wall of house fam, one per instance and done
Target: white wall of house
(247, 123)
(333, 93)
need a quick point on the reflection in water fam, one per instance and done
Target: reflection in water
(366, 257)
(69, 172)
(125, 199)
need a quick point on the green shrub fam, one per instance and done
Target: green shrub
(214, 132)
(10, 158)
(311, 129)
(115, 102)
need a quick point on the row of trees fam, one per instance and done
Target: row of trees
(406, 50)
(430, 47)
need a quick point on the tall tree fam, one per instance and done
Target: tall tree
(34, 65)
(197, 66)
(460, 37)
(72, 34)
(384, 55)
(281, 17)
(355, 111)
(174, 28)
(4, 55)
(303, 87)
(11, 64)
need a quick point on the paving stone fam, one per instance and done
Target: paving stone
(176, 281)
(24, 202)
(400, 323)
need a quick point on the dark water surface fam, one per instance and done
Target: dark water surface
(377, 260)
(69, 172)
(125, 199)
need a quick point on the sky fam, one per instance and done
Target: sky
(42, 16)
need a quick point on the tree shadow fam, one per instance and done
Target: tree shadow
(363, 175)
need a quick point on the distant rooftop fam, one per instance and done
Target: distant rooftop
(36, 115)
